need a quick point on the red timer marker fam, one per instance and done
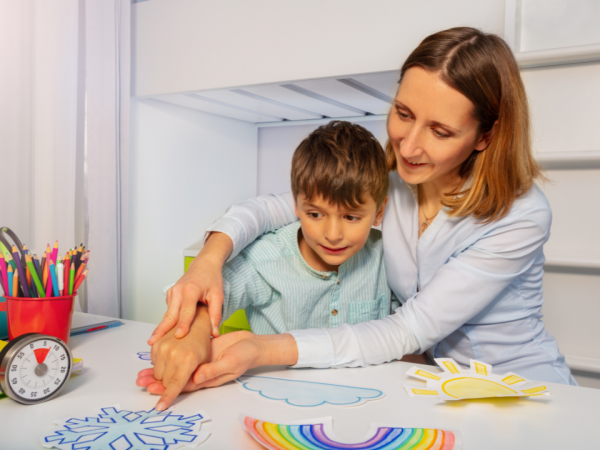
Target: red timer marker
(40, 354)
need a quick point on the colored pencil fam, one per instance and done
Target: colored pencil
(10, 280)
(36, 279)
(31, 285)
(28, 275)
(60, 274)
(1, 290)
(45, 273)
(16, 285)
(53, 278)
(48, 284)
(83, 275)
(66, 274)
(71, 278)
(43, 266)
(10, 261)
(20, 271)
(78, 257)
(36, 263)
(4, 272)
(80, 271)
(55, 252)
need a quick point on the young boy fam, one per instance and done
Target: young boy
(326, 269)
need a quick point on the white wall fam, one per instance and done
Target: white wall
(188, 45)
(186, 168)
(276, 146)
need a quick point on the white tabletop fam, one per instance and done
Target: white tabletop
(568, 418)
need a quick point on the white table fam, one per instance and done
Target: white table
(568, 419)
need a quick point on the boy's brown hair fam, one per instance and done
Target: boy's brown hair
(341, 162)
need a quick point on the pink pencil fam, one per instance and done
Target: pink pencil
(49, 280)
(55, 252)
(4, 274)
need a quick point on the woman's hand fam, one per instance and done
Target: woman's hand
(235, 353)
(203, 282)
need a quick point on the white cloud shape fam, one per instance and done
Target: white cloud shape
(307, 393)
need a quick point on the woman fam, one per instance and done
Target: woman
(463, 233)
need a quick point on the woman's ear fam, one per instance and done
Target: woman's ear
(486, 138)
(380, 211)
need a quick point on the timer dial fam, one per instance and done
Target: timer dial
(34, 368)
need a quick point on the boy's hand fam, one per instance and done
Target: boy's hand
(176, 359)
(222, 346)
(203, 282)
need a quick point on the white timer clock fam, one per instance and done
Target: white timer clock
(34, 368)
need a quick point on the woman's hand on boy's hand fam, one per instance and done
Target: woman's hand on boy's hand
(176, 359)
(203, 282)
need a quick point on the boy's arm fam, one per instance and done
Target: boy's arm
(176, 359)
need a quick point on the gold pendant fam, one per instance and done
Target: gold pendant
(424, 226)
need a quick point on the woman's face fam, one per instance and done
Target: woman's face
(431, 129)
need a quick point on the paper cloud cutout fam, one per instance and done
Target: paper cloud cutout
(307, 393)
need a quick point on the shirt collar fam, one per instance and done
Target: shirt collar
(293, 236)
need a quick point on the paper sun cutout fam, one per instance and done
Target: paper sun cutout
(456, 383)
(317, 434)
(307, 393)
(118, 429)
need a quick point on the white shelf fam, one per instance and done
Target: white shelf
(558, 56)
(584, 364)
(572, 262)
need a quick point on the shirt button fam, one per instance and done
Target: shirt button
(334, 312)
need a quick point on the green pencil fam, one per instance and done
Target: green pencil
(34, 276)
(71, 279)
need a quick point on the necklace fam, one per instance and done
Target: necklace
(427, 222)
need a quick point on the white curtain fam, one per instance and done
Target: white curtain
(64, 131)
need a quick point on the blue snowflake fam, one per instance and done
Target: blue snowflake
(144, 356)
(118, 429)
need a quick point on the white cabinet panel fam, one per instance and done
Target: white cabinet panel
(192, 45)
(571, 311)
(573, 197)
(565, 107)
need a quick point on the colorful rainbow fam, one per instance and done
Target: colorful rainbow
(314, 437)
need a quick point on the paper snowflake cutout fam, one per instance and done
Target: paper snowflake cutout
(456, 383)
(144, 356)
(117, 429)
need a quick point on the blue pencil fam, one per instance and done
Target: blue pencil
(10, 282)
(54, 278)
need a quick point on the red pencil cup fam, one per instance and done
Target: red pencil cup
(51, 316)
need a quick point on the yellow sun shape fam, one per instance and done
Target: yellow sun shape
(456, 383)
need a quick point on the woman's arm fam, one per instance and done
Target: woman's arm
(203, 282)
(461, 289)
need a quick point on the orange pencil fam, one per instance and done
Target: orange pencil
(79, 271)
(76, 286)
(45, 273)
(15, 292)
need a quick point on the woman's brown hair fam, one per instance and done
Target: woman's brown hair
(483, 68)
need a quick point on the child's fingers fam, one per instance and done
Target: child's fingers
(145, 381)
(173, 388)
(146, 372)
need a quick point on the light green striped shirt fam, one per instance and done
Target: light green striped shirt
(280, 292)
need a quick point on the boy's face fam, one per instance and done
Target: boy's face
(333, 233)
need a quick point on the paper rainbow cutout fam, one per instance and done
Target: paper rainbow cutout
(456, 383)
(318, 435)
